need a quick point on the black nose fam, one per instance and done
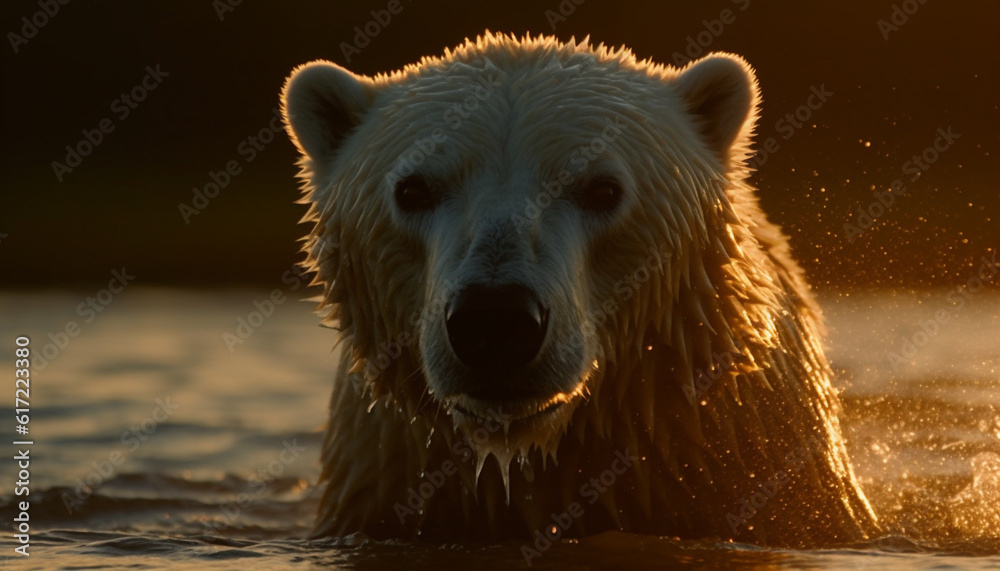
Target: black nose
(495, 329)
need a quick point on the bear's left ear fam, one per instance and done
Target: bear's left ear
(322, 102)
(721, 92)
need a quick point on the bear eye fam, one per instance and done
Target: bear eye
(413, 194)
(601, 195)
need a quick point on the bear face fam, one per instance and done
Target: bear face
(549, 251)
(504, 195)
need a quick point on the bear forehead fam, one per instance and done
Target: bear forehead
(524, 103)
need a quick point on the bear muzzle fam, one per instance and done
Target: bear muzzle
(498, 337)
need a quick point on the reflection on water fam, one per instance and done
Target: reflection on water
(162, 443)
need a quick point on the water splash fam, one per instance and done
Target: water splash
(976, 509)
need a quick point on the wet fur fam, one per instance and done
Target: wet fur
(727, 293)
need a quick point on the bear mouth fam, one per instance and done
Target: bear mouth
(500, 406)
(511, 409)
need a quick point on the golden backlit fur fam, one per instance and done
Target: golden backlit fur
(705, 369)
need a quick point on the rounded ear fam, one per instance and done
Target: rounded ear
(322, 102)
(721, 92)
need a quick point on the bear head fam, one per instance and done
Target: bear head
(498, 229)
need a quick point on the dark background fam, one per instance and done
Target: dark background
(119, 208)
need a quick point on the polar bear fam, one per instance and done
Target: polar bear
(561, 310)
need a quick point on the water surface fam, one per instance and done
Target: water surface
(158, 444)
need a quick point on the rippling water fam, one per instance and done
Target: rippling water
(157, 446)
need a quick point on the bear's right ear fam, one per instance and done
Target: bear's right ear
(322, 102)
(721, 92)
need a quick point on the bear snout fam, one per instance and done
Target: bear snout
(496, 330)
